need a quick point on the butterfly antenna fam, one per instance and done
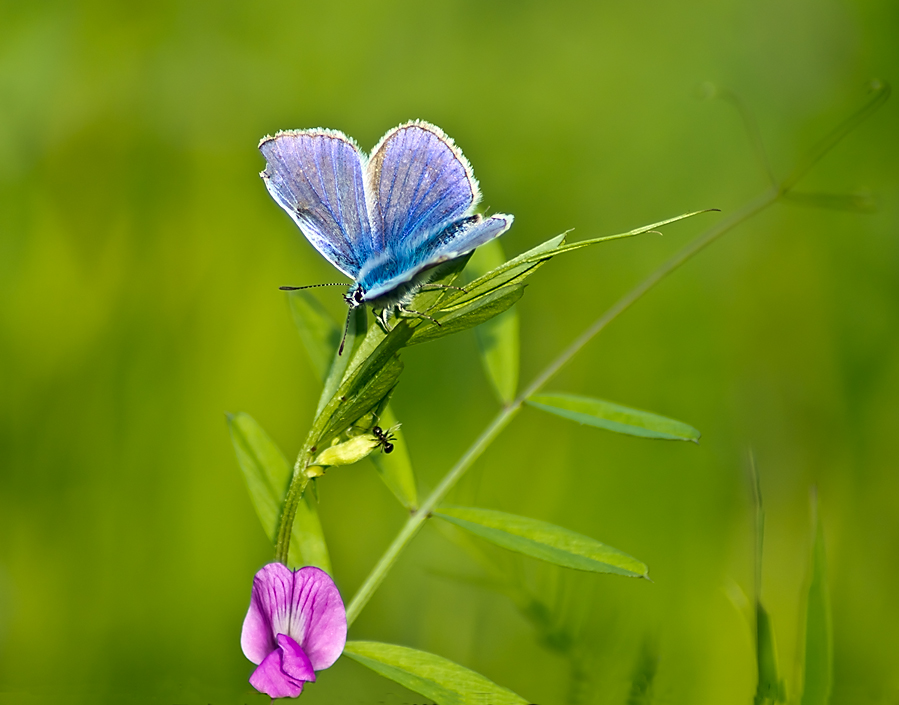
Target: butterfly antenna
(310, 286)
(346, 328)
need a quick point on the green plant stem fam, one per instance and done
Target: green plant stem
(298, 483)
(625, 302)
(880, 92)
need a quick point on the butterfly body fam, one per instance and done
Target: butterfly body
(386, 220)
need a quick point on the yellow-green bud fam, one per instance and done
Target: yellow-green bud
(346, 453)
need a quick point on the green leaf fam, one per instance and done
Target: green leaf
(267, 473)
(318, 331)
(436, 678)
(498, 336)
(547, 542)
(440, 284)
(374, 336)
(321, 337)
(770, 688)
(395, 468)
(613, 417)
(620, 236)
(514, 271)
(473, 313)
(264, 468)
(339, 363)
(519, 268)
(817, 673)
(372, 376)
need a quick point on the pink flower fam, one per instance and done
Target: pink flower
(296, 625)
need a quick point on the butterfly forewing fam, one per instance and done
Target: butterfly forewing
(418, 183)
(317, 177)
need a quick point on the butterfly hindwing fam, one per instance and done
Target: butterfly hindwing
(458, 239)
(466, 236)
(317, 177)
(418, 183)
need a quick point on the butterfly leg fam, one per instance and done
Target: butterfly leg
(425, 287)
(403, 309)
(381, 318)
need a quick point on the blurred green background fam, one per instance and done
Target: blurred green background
(140, 257)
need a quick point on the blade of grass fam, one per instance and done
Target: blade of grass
(818, 653)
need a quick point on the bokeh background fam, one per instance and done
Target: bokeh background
(139, 262)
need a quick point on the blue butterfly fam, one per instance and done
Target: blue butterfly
(385, 220)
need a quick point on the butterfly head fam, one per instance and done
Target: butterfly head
(355, 297)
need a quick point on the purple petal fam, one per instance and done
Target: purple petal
(271, 588)
(318, 617)
(270, 678)
(294, 661)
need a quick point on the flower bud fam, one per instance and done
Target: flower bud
(345, 453)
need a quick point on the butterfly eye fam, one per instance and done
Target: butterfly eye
(357, 295)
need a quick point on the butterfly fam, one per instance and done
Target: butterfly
(384, 220)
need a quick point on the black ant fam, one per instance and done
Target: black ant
(384, 438)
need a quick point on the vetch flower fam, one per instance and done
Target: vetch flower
(296, 625)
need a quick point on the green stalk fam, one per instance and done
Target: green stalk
(298, 483)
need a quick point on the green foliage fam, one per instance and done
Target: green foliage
(497, 290)
(267, 472)
(367, 383)
(355, 331)
(319, 333)
(497, 337)
(818, 652)
(644, 674)
(437, 678)
(770, 687)
(468, 314)
(510, 273)
(542, 540)
(613, 417)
